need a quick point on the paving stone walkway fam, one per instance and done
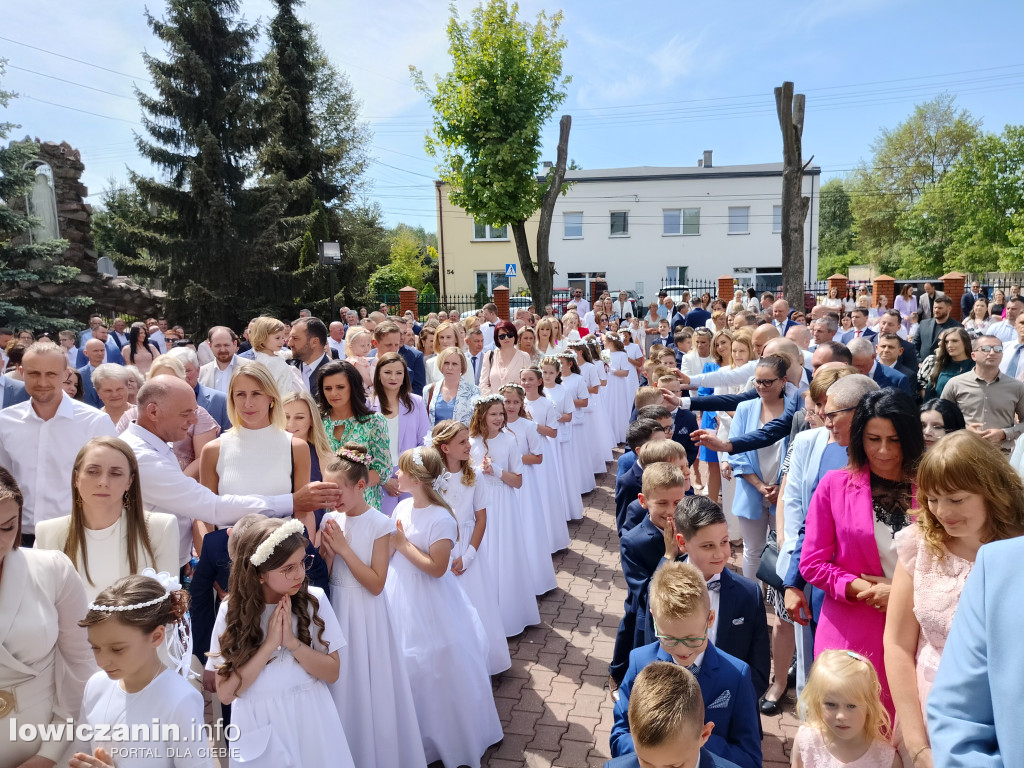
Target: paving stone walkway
(554, 703)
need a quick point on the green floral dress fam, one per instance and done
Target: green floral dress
(372, 432)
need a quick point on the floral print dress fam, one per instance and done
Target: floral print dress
(371, 432)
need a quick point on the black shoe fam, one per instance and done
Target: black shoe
(769, 707)
(791, 676)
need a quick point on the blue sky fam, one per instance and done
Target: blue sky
(655, 82)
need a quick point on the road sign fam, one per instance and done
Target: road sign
(510, 270)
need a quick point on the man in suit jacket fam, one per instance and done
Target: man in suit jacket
(859, 316)
(927, 339)
(112, 352)
(973, 709)
(310, 352)
(13, 392)
(864, 361)
(675, 319)
(890, 322)
(628, 486)
(969, 297)
(780, 317)
(214, 401)
(216, 374)
(697, 317)
(95, 352)
(887, 351)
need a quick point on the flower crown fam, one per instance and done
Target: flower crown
(350, 455)
(428, 440)
(266, 549)
(576, 344)
(512, 385)
(488, 399)
(167, 581)
(567, 355)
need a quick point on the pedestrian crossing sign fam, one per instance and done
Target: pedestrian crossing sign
(510, 270)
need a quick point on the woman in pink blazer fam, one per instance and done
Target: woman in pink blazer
(849, 549)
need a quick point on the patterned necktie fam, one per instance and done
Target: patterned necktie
(694, 669)
(715, 586)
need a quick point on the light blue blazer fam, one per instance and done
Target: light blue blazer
(801, 481)
(747, 502)
(975, 706)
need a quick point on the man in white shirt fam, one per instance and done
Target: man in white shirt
(487, 326)
(582, 305)
(217, 375)
(308, 342)
(1005, 329)
(1012, 363)
(157, 337)
(801, 336)
(336, 338)
(40, 438)
(167, 408)
(6, 334)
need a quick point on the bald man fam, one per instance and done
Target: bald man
(801, 336)
(95, 353)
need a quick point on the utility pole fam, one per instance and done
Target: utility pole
(790, 108)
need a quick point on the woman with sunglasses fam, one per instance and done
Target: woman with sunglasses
(502, 365)
(952, 357)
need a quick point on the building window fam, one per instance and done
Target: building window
(676, 275)
(739, 220)
(490, 280)
(776, 218)
(619, 224)
(680, 221)
(691, 221)
(572, 225)
(487, 232)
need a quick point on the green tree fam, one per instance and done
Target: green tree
(214, 232)
(905, 161)
(505, 83)
(35, 288)
(365, 246)
(835, 234)
(308, 256)
(121, 231)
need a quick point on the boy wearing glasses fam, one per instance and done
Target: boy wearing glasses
(682, 613)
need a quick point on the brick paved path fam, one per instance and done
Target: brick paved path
(554, 703)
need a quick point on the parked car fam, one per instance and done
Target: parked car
(675, 292)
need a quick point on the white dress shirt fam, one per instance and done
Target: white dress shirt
(582, 306)
(165, 488)
(337, 346)
(41, 454)
(306, 369)
(211, 375)
(1003, 330)
(716, 599)
(1009, 353)
(487, 329)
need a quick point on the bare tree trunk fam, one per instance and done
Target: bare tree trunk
(790, 109)
(540, 276)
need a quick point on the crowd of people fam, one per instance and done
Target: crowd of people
(334, 529)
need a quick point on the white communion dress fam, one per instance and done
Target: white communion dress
(561, 491)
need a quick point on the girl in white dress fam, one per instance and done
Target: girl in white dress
(267, 336)
(534, 492)
(558, 395)
(372, 693)
(593, 433)
(463, 494)
(495, 452)
(597, 357)
(128, 625)
(635, 355)
(275, 650)
(561, 491)
(578, 393)
(439, 631)
(620, 402)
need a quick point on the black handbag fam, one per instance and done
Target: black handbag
(766, 571)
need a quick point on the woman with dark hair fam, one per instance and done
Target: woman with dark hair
(362, 313)
(952, 357)
(348, 419)
(406, 418)
(139, 352)
(72, 384)
(501, 366)
(938, 418)
(850, 544)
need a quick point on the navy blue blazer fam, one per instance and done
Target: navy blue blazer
(640, 551)
(867, 334)
(729, 703)
(13, 392)
(685, 424)
(887, 377)
(627, 487)
(697, 318)
(216, 404)
(707, 760)
(636, 513)
(770, 433)
(417, 370)
(626, 460)
(88, 390)
(314, 380)
(113, 354)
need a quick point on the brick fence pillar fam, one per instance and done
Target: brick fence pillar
(839, 282)
(883, 285)
(407, 301)
(501, 302)
(953, 286)
(726, 286)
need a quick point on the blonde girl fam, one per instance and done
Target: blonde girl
(267, 336)
(129, 623)
(440, 633)
(470, 563)
(845, 724)
(373, 694)
(536, 491)
(302, 420)
(496, 454)
(275, 650)
(358, 343)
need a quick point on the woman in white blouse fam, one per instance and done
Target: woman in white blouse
(45, 659)
(108, 535)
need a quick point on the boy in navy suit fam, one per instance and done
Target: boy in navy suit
(740, 627)
(642, 548)
(637, 435)
(652, 453)
(683, 617)
(628, 485)
(666, 718)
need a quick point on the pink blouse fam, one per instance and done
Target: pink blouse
(494, 374)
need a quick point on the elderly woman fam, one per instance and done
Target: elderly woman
(968, 495)
(108, 534)
(45, 658)
(111, 383)
(446, 336)
(502, 365)
(134, 383)
(850, 541)
(453, 396)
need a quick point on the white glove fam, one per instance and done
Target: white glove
(468, 557)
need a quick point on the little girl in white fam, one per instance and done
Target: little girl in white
(268, 337)
(358, 343)
(495, 451)
(558, 395)
(279, 652)
(438, 629)
(469, 560)
(372, 693)
(563, 492)
(578, 393)
(845, 725)
(128, 624)
(536, 491)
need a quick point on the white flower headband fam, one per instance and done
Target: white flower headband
(428, 440)
(488, 399)
(167, 581)
(266, 549)
(512, 385)
(440, 483)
